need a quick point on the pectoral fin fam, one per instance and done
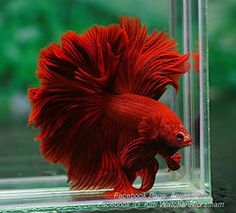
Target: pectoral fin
(173, 162)
(149, 127)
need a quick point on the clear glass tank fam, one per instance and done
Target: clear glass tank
(28, 182)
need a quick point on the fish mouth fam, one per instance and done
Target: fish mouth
(171, 150)
(187, 142)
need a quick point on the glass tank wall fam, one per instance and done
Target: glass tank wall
(29, 182)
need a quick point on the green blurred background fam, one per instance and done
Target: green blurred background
(27, 26)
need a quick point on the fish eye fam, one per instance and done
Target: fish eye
(179, 136)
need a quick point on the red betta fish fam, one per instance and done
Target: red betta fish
(97, 105)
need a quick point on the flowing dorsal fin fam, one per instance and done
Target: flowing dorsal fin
(150, 62)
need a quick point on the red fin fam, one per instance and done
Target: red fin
(138, 156)
(149, 126)
(137, 153)
(126, 178)
(138, 159)
(92, 166)
(148, 175)
(109, 173)
(69, 105)
(173, 162)
(149, 62)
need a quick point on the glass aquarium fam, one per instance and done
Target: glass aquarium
(27, 181)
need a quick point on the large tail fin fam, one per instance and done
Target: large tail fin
(69, 105)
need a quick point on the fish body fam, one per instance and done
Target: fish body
(130, 109)
(97, 106)
(157, 127)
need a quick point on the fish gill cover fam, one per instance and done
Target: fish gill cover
(97, 105)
